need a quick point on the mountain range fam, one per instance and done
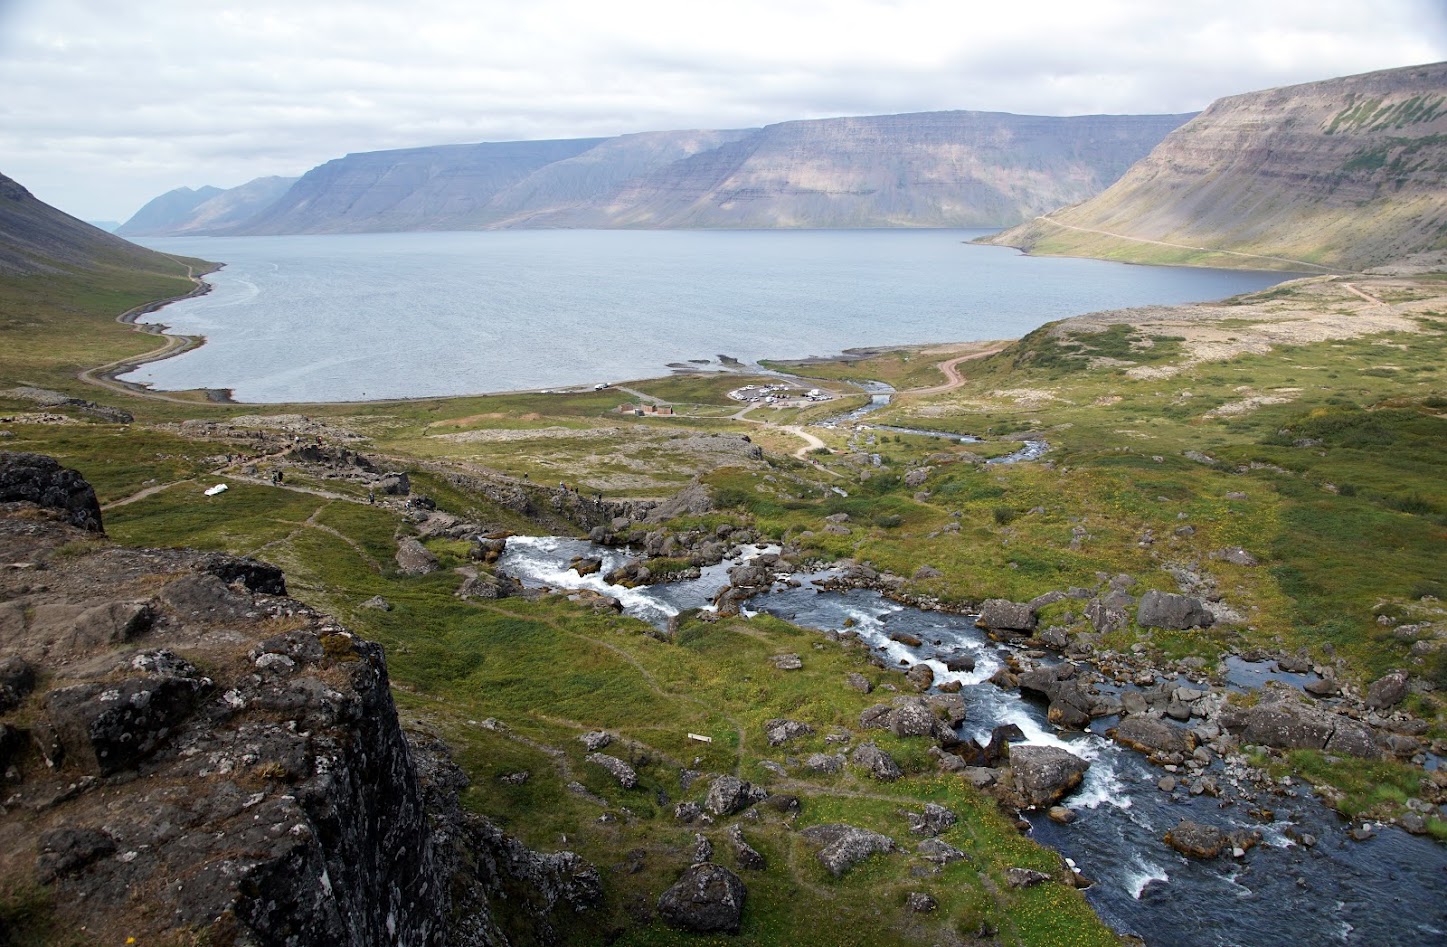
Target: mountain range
(929, 169)
(1343, 174)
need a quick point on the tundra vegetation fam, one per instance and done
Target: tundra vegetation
(1304, 424)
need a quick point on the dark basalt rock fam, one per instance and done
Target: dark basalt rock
(1153, 735)
(1045, 774)
(998, 614)
(1168, 610)
(708, 899)
(278, 785)
(729, 794)
(107, 728)
(1288, 725)
(1197, 840)
(38, 479)
(876, 762)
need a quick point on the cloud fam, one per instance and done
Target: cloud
(107, 104)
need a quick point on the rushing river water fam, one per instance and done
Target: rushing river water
(1384, 891)
(368, 316)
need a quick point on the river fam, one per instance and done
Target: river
(1383, 891)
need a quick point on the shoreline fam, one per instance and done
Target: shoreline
(173, 344)
(106, 376)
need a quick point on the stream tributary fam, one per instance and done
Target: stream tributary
(1387, 890)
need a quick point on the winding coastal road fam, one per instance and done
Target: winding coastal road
(950, 369)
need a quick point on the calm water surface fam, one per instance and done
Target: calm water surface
(342, 317)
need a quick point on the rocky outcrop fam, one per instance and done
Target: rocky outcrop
(1286, 724)
(271, 797)
(1343, 172)
(35, 478)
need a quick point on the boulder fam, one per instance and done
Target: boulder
(916, 718)
(395, 485)
(876, 762)
(618, 769)
(1234, 555)
(859, 682)
(787, 662)
(998, 614)
(707, 899)
(1152, 735)
(745, 855)
(1104, 617)
(905, 638)
(920, 903)
(1387, 691)
(932, 821)
(413, 558)
(938, 852)
(377, 603)
(1197, 840)
(586, 565)
(1288, 725)
(38, 479)
(1045, 774)
(487, 551)
(844, 846)
(824, 762)
(779, 731)
(921, 676)
(1168, 610)
(729, 794)
(877, 717)
(960, 663)
(596, 740)
(1025, 877)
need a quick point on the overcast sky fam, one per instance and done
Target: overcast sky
(106, 103)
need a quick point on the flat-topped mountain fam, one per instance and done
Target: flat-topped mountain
(1344, 173)
(36, 239)
(930, 169)
(206, 209)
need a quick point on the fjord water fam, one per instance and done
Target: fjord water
(1380, 892)
(367, 316)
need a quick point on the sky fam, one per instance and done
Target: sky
(107, 104)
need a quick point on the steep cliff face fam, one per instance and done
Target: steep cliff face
(208, 209)
(442, 188)
(37, 239)
(1344, 173)
(189, 752)
(934, 169)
